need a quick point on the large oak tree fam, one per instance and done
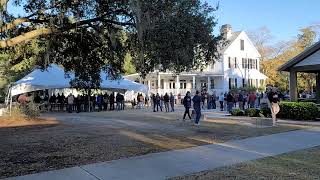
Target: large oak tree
(86, 36)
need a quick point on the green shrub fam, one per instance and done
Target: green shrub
(252, 112)
(265, 112)
(298, 110)
(237, 112)
(307, 100)
(31, 110)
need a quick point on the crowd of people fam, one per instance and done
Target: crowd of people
(71, 103)
(116, 101)
(159, 101)
(230, 100)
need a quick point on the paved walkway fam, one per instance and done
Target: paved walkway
(225, 115)
(187, 161)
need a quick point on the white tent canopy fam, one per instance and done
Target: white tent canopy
(54, 78)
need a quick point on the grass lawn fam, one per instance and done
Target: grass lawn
(304, 165)
(94, 137)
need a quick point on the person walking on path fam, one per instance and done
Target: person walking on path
(166, 100)
(172, 102)
(274, 104)
(187, 106)
(197, 107)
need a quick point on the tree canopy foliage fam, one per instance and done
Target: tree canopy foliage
(305, 39)
(86, 36)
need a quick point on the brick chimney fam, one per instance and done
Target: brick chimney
(226, 31)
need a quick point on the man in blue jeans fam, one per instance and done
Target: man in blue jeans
(197, 107)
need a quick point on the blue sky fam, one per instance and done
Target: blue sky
(283, 18)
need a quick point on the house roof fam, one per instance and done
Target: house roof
(302, 56)
(232, 38)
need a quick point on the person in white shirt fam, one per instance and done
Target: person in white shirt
(70, 102)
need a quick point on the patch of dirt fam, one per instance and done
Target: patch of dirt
(8, 122)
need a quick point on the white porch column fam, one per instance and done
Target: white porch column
(209, 84)
(177, 85)
(293, 86)
(318, 87)
(194, 82)
(149, 85)
(159, 82)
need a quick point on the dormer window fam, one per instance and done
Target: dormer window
(242, 45)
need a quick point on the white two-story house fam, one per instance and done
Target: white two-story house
(238, 67)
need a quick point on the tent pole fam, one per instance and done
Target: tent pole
(89, 105)
(10, 105)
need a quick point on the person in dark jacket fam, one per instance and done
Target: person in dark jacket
(111, 100)
(154, 100)
(52, 101)
(122, 102)
(172, 102)
(230, 102)
(197, 107)
(158, 99)
(118, 101)
(187, 105)
(166, 100)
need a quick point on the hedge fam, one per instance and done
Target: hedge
(288, 110)
(252, 112)
(298, 110)
(237, 112)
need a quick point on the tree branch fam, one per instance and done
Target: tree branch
(13, 24)
(45, 31)
(26, 37)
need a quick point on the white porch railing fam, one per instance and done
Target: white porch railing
(182, 92)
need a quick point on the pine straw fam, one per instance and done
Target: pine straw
(18, 122)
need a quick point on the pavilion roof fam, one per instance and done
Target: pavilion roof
(300, 57)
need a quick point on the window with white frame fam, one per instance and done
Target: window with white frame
(232, 83)
(183, 85)
(232, 62)
(212, 84)
(242, 45)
